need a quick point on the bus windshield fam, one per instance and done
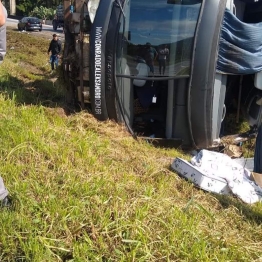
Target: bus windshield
(154, 33)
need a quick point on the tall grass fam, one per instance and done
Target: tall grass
(84, 190)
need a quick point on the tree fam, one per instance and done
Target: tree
(24, 7)
(43, 12)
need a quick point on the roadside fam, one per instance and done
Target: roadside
(27, 69)
(86, 190)
(46, 33)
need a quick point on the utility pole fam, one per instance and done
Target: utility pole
(12, 4)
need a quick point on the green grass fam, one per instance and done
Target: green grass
(84, 190)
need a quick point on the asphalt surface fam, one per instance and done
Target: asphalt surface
(47, 30)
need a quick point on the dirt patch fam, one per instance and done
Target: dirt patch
(59, 111)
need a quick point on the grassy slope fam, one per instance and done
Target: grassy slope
(86, 191)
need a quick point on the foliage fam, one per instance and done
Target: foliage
(43, 12)
(24, 7)
(85, 190)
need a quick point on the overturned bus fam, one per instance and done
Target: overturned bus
(167, 69)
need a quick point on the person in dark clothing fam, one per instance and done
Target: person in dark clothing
(162, 58)
(55, 48)
(258, 152)
(150, 56)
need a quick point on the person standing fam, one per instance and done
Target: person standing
(151, 55)
(162, 58)
(55, 47)
(4, 200)
(3, 16)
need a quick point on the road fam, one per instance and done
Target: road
(47, 31)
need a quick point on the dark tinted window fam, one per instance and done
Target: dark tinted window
(168, 25)
(33, 20)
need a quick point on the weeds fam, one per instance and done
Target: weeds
(85, 190)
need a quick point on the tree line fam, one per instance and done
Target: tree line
(25, 7)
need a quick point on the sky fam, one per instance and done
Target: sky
(157, 22)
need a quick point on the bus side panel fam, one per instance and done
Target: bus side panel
(119, 91)
(97, 59)
(111, 42)
(201, 88)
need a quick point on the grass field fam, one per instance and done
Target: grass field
(84, 190)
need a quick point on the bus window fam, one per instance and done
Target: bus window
(150, 26)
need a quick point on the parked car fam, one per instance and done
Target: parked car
(29, 23)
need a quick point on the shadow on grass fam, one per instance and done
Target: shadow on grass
(248, 211)
(251, 212)
(47, 92)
